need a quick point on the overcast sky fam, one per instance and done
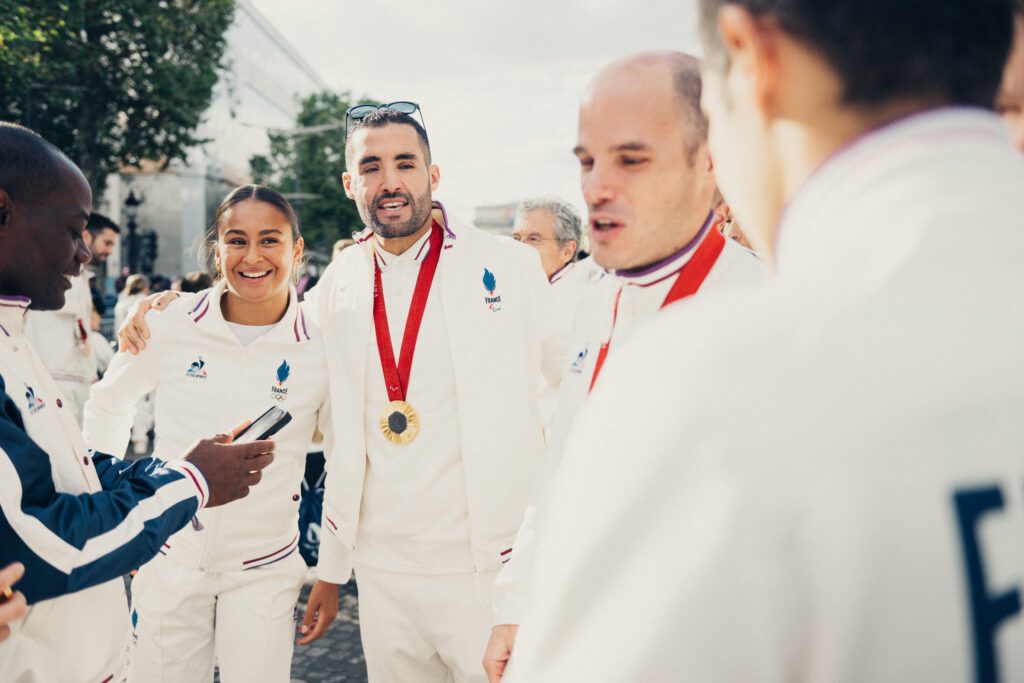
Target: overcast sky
(498, 82)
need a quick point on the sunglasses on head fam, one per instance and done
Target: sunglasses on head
(361, 111)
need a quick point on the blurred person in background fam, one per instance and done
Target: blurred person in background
(136, 287)
(195, 281)
(103, 239)
(553, 227)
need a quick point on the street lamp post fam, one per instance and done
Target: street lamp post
(131, 210)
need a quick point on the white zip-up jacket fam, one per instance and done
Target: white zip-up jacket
(639, 304)
(497, 355)
(206, 382)
(570, 287)
(76, 522)
(827, 481)
(61, 338)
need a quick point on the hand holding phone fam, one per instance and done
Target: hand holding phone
(264, 426)
(234, 464)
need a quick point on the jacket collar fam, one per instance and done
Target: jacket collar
(414, 253)
(833, 218)
(561, 272)
(206, 313)
(12, 315)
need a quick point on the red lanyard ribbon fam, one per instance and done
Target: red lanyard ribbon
(691, 277)
(396, 377)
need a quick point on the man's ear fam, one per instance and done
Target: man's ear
(435, 177)
(570, 248)
(752, 44)
(346, 182)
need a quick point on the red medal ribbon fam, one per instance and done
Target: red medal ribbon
(396, 377)
(691, 277)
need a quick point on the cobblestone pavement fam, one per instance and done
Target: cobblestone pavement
(338, 656)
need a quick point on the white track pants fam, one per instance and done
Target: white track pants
(182, 618)
(424, 628)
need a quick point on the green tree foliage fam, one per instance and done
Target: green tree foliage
(112, 82)
(312, 163)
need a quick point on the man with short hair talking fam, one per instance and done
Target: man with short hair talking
(648, 182)
(856, 514)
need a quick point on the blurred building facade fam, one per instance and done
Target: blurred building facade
(260, 87)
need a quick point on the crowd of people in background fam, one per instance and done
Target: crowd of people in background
(757, 417)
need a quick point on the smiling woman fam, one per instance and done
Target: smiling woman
(217, 358)
(256, 247)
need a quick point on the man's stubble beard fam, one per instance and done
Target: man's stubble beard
(421, 208)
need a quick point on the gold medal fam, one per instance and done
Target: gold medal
(399, 423)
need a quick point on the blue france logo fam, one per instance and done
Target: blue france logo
(284, 371)
(491, 284)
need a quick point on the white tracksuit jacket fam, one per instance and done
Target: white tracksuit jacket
(569, 288)
(639, 304)
(61, 339)
(842, 496)
(497, 358)
(206, 383)
(77, 523)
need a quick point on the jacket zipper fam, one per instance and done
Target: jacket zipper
(213, 526)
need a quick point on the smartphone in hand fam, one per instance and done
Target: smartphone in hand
(264, 426)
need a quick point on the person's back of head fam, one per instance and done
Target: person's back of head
(196, 282)
(790, 82)
(137, 284)
(98, 223)
(951, 52)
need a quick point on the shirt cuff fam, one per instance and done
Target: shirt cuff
(334, 560)
(193, 474)
(508, 604)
